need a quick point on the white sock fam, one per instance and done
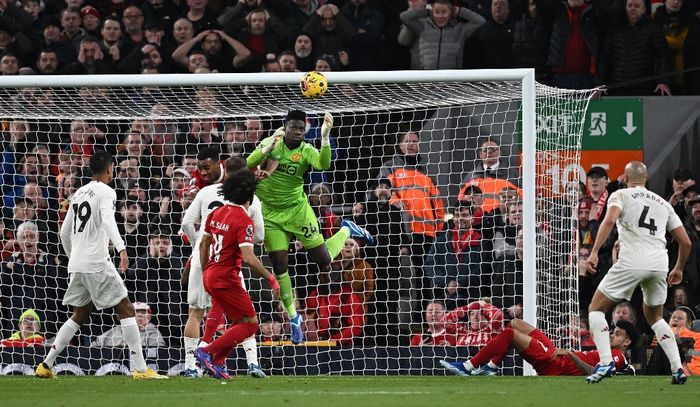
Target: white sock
(668, 343)
(202, 344)
(65, 334)
(492, 365)
(130, 330)
(468, 365)
(601, 336)
(250, 345)
(190, 346)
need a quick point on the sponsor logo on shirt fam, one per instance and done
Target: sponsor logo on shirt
(288, 169)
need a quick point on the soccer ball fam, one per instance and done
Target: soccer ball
(313, 85)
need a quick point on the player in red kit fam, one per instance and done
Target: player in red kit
(538, 350)
(227, 241)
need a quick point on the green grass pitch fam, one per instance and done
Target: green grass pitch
(340, 391)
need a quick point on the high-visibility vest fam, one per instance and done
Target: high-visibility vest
(491, 187)
(420, 200)
(694, 364)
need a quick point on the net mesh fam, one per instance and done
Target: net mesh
(406, 158)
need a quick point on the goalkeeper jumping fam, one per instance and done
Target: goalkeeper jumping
(286, 209)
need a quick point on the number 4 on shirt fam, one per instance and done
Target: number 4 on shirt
(643, 223)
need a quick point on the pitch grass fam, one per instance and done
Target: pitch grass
(340, 391)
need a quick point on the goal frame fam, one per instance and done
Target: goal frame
(526, 76)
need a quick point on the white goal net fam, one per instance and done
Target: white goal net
(472, 211)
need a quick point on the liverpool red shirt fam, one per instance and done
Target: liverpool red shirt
(230, 228)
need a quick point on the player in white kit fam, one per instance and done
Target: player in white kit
(642, 218)
(206, 200)
(88, 228)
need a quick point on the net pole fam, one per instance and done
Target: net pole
(528, 174)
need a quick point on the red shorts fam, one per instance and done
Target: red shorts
(539, 354)
(235, 302)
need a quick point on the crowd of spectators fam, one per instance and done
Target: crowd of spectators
(450, 267)
(635, 47)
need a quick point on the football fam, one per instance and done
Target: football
(313, 85)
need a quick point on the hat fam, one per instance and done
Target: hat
(52, 22)
(473, 189)
(630, 329)
(181, 171)
(385, 181)
(585, 203)
(682, 174)
(694, 201)
(142, 306)
(154, 24)
(29, 313)
(89, 10)
(599, 171)
(693, 188)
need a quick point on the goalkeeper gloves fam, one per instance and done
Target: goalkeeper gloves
(326, 129)
(269, 144)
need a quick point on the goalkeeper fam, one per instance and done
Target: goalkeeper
(285, 206)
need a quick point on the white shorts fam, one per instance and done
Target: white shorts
(197, 296)
(619, 285)
(104, 288)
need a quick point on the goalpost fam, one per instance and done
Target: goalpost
(154, 125)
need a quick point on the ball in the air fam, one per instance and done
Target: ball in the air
(313, 85)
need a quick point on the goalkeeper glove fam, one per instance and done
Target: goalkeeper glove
(326, 129)
(269, 144)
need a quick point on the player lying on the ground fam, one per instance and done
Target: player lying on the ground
(227, 240)
(286, 209)
(538, 350)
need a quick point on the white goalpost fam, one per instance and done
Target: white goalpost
(514, 257)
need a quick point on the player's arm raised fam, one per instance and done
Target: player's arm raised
(265, 148)
(681, 237)
(603, 232)
(256, 265)
(321, 160)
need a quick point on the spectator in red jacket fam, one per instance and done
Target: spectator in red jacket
(475, 323)
(339, 315)
(435, 335)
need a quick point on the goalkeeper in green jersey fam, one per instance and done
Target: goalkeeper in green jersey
(285, 206)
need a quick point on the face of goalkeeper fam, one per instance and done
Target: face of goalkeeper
(294, 131)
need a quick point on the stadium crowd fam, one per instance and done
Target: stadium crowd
(632, 46)
(453, 263)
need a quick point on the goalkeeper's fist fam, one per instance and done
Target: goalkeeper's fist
(326, 129)
(269, 144)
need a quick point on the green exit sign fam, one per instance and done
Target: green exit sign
(614, 124)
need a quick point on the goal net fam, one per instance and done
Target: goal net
(467, 179)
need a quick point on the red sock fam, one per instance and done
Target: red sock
(496, 350)
(234, 335)
(214, 319)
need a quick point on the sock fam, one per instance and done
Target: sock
(65, 334)
(668, 343)
(496, 350)
(250, 345)
(286, 294)
(214, 319)
(493, 365)
(130, 331)
(468, 365)
(601, 336)
(190, 346)
(336, 242)
(234, 335)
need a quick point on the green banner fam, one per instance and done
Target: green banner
(614, 124)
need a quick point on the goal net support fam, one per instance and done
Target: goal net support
(461, 249)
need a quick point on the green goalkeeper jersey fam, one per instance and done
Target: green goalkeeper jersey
(285, 187)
